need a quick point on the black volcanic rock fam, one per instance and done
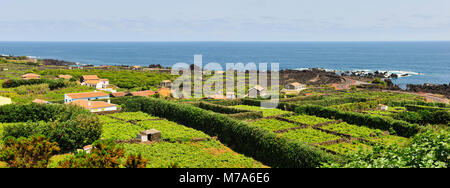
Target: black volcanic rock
(443, 89)
(311, 76)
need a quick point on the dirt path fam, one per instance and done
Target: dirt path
(428, 96)
(347, 84)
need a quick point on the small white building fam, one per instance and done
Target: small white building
(166, 84)
(95, 106)
(383, 107)
(293, 88)
(85, 96)
(5, 100)
(257, 91)
(231, 95)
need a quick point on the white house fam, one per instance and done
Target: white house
(95, 106)
(99, 84)
(94, 81)
(85, 96)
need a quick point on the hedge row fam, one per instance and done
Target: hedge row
(247, 115)
(52, 84)
(260, 144)
(235, 113)
(401, 128)
(219, 108)
(424, 117)
(416, 108)
(357, 106)
(71, 126)
(422, 103)
(303, 98)
(334, 101)
(225, 102)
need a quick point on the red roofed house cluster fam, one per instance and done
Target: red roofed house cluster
(94, 81)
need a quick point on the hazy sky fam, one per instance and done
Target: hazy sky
(224, 20)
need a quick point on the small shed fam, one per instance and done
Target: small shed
(383, 107)
(149, 135)
(166, 84)
(5, 100)
(231, 95)
(39, 101)
(87, 148)
(295, 86)
(257, 91)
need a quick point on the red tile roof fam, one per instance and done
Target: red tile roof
(143, 93)
(118, 94)
(31, 76)
(87, 95)
(65, 76)
(90, 77)
(39, 101)
(92, 104)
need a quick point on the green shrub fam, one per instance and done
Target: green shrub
(71, 127)
(426, 150)
(135, 161)
(53, 84)
(378, 81)
(33, 152)
(32, 89)
(104, 154)
(424, 117)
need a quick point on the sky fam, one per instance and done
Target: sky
(225, 20)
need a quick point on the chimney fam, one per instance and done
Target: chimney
(109, 101)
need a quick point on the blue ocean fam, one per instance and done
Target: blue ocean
(425, 62)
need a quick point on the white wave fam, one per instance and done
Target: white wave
(300, 69)
(399, 73)
(404, 72)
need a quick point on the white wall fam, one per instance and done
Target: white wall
(113, 108)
